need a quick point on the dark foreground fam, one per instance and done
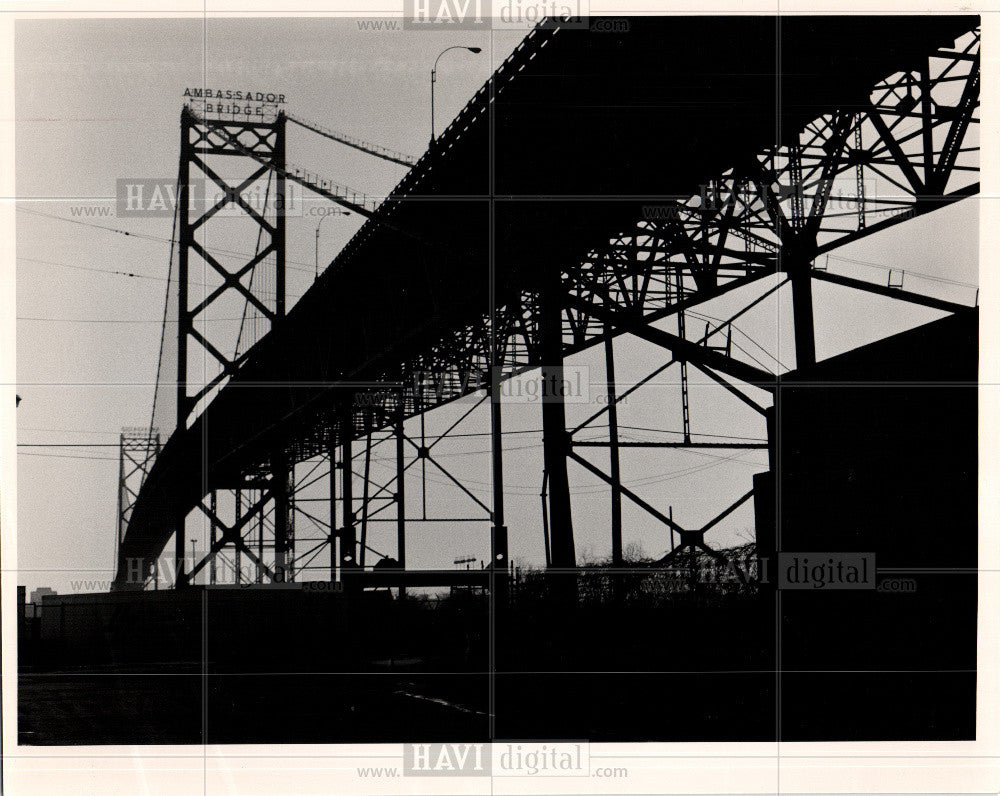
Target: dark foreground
(290, 666)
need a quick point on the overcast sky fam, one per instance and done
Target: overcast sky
(100, 100)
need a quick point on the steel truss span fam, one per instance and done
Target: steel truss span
(505, 251)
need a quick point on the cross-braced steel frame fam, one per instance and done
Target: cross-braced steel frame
(263, 497)
(137, 450)
(849, 174)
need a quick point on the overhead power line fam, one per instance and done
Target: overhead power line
(116, 320)
(91, 268)
(69, 456)
(67, 444)
(158, 238)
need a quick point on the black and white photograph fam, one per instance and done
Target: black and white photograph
(456, 396)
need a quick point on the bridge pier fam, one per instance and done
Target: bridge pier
(180, 568)
(238, 513)
(212, 532)
(617, 558)
(400, 488)
(499, 555)
(331, 447)
(363, 546)
(555, 438)
(802, 310)
(284, 534)
(348, 536)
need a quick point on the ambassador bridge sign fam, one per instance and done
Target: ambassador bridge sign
(234, 105)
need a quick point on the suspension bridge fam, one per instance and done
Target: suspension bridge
(526, 233)
(598, 188)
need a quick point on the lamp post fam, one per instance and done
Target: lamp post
(320, 224)
(193, 577)
(475, 50)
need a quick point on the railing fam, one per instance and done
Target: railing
(349, 140)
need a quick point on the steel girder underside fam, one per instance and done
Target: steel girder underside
(600, 145)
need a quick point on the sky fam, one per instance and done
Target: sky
(100, 100)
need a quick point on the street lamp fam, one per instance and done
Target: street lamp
(320, 224)
(475, 50)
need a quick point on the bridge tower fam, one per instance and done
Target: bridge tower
(137, 450)
(223, 208)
